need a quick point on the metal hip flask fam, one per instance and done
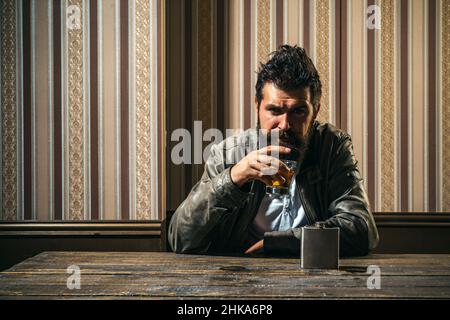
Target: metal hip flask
(320, 247)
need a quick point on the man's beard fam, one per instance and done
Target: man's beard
(287, 138)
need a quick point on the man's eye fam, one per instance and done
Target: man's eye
(300, 111)
(275, 111)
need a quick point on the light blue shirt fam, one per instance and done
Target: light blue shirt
(278, 213)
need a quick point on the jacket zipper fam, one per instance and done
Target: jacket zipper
(308, 213)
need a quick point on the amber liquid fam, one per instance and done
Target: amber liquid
(283, 188)
(287, 176)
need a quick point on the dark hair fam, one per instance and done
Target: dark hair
(289, 68)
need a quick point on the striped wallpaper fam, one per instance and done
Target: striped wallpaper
(389, 88)
(195, 83)
(82, 110)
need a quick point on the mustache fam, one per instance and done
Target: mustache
(288, 136)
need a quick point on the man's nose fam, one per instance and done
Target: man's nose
(284, 122)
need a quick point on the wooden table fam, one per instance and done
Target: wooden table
(109, 275)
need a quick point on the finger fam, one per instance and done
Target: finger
(268, 161)
(249, 250)
(252, 249)
(260, 158)
(279, 165)
(270, 179)
(271, 171)
(257, 246)
(274, 149)
(263, 178)
(276, 169)
(283, 168)
(263, 158)
(276, 164)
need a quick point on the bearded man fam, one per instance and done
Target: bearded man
(229, 211)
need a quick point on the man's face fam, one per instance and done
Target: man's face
(292, 113)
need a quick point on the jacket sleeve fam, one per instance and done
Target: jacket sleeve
(348, 209)
(215, 195)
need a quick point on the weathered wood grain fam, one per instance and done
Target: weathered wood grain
(108, 275)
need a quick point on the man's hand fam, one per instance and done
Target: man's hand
(257, 246)
(261, 166)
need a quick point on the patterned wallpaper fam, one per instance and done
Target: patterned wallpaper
(387, 87)
(82, 110)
